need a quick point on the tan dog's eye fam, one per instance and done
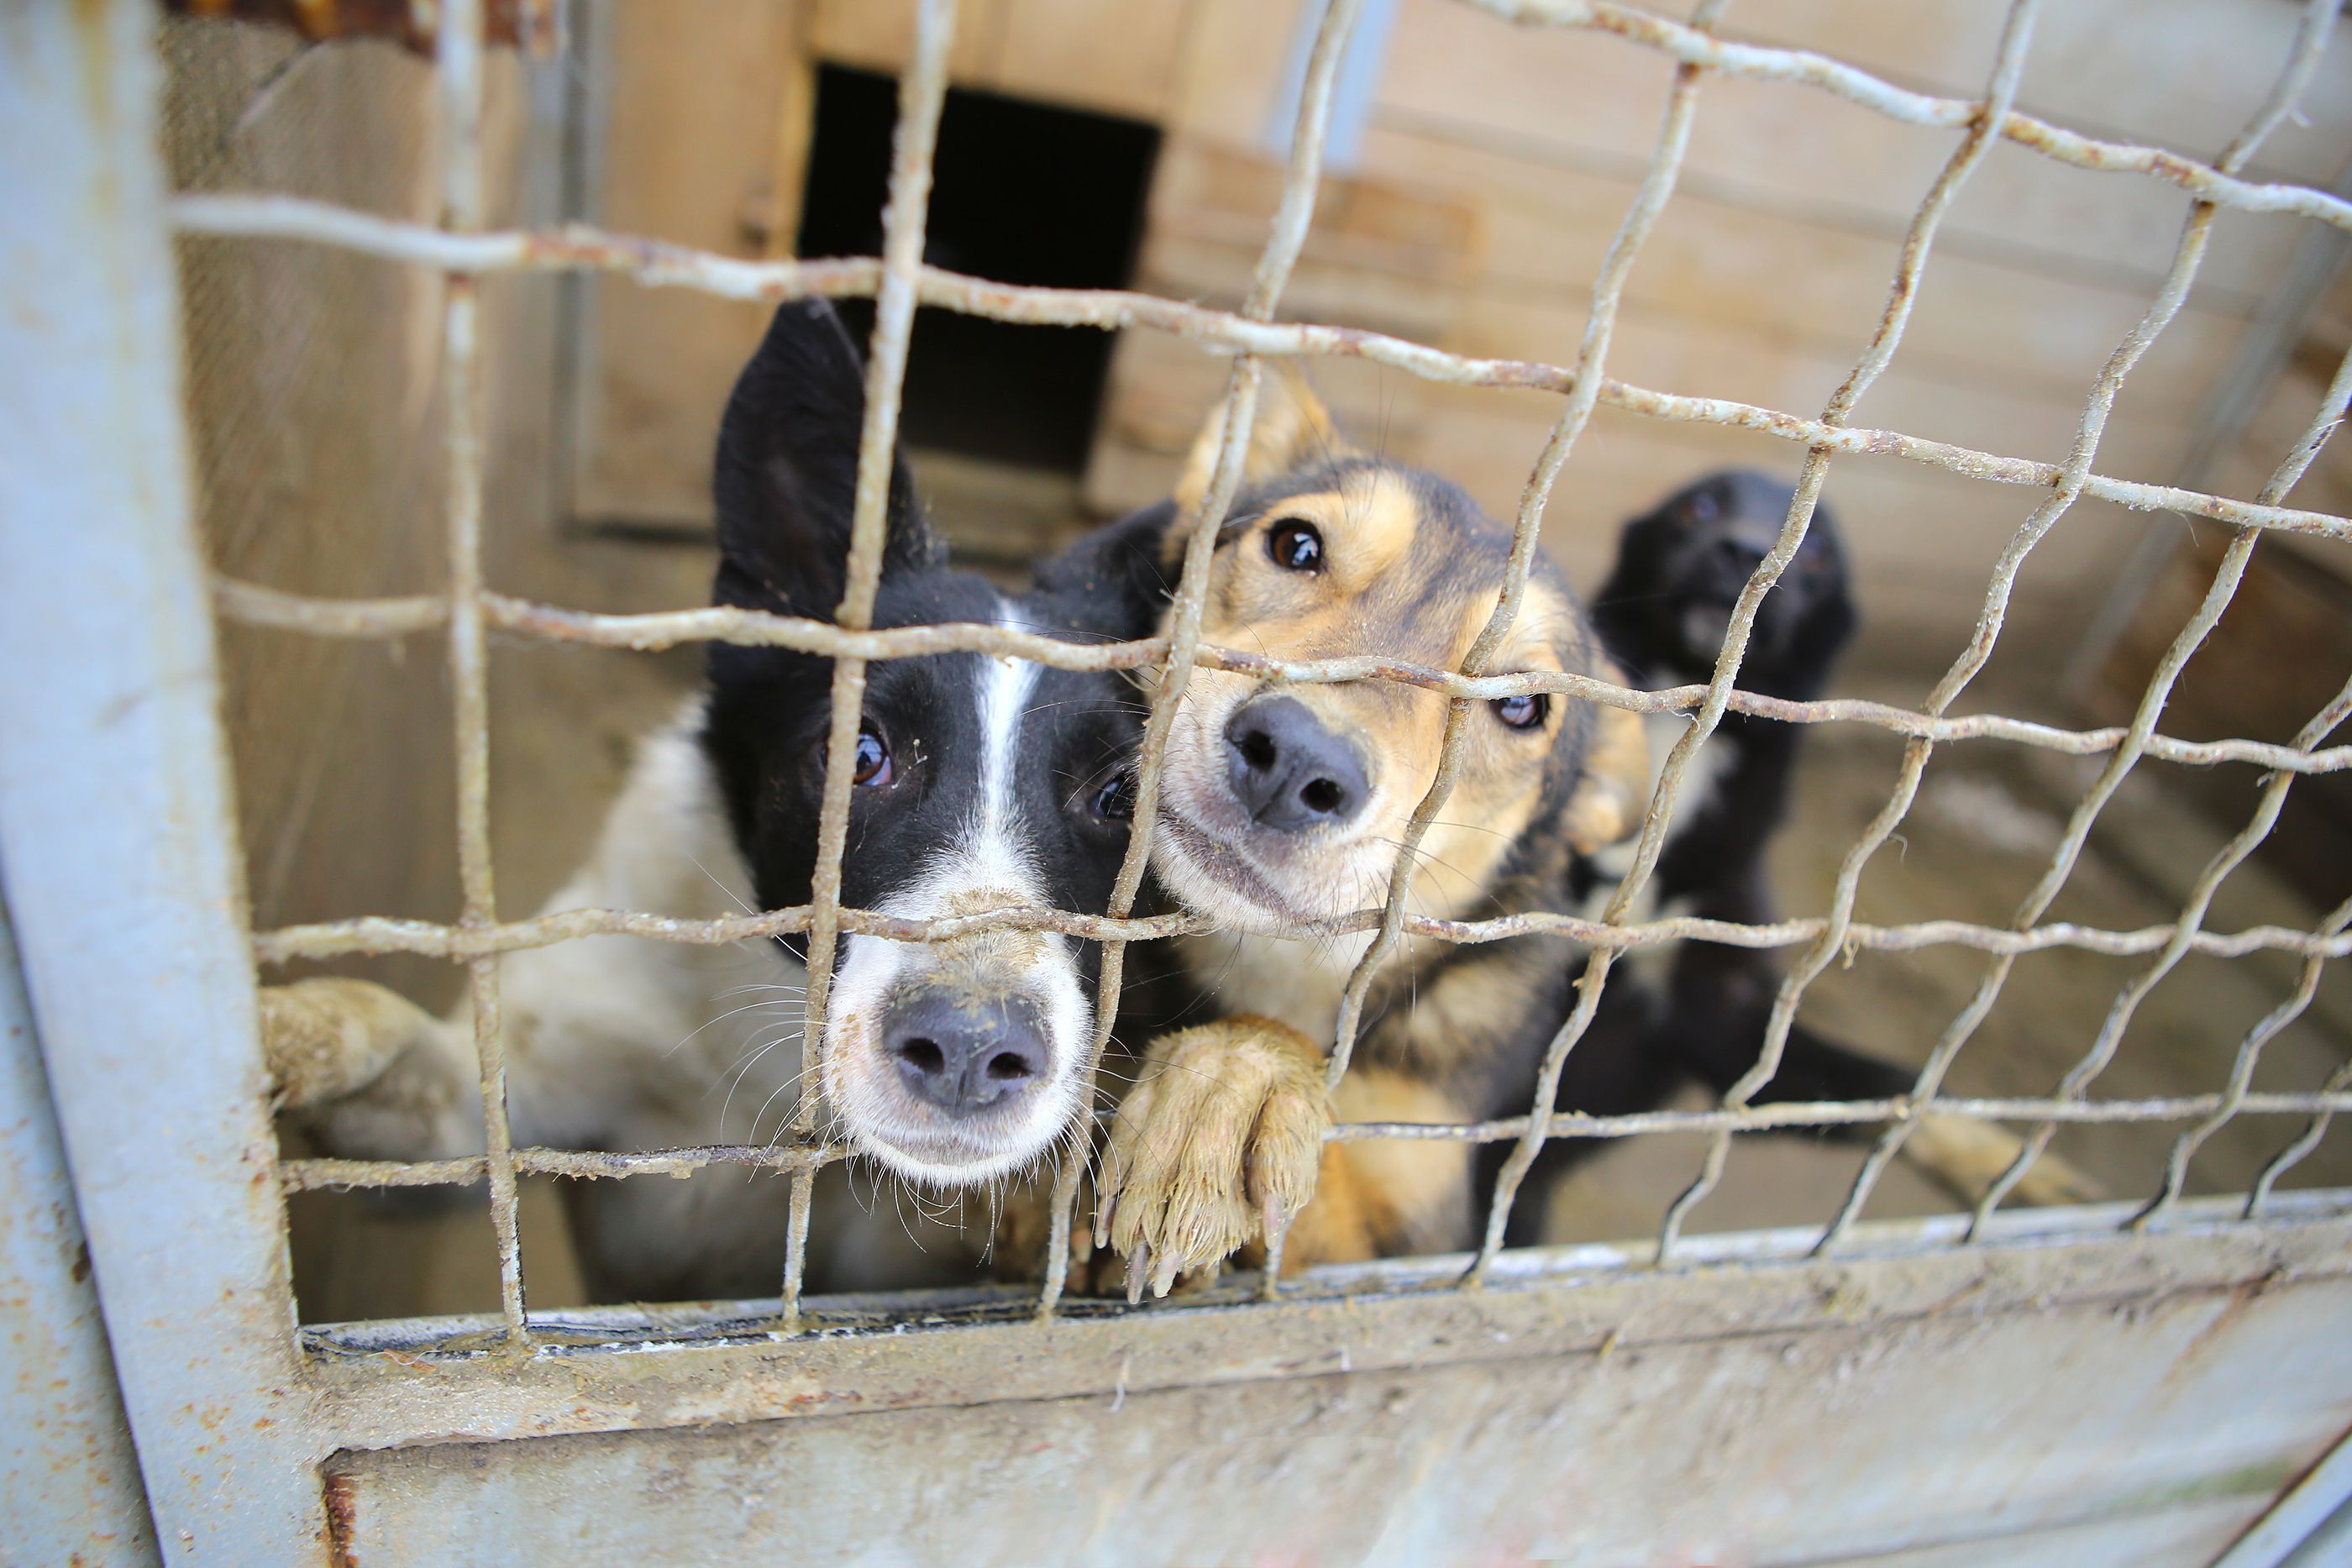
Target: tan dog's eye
(1295, 545)
(1523, 712)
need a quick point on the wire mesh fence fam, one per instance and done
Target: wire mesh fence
(470, 611)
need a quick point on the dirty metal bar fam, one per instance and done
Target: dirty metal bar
(381, 934)
(654, 263)
(2309, 1526)
(2232, 854)
(2187, 256)
(253, 605)
(2215, 184)
(2259, 1199)
(586, 1165)
(1778, 1115)
(2001, 93)
(459, 78)
(117, 829)
(2242, 1077)
(68, 1478)
(398, 1383)
(922, 92)
(1286, 237)
(1665, 166)
(1591, 358)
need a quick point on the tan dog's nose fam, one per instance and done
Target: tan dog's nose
(1289, 773)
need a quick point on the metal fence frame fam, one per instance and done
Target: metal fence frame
(118, 607)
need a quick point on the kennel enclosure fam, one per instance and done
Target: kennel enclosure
(2054, 1385)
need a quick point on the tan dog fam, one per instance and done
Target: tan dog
(1286, 804)
(1283, 805)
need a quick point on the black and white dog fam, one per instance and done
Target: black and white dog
(1698, 1010)
(981, 783)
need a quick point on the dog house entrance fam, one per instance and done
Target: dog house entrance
(1024, 193)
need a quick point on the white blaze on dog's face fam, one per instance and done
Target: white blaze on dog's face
(960, 1061)
(1284, 804)
(979, 784)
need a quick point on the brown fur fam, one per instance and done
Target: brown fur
(1222, 1139)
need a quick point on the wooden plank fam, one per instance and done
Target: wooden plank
(2183, 74)
(691, 140)
(1115, 59)
(1595, 101)
(1233, 57)
(1730, 265)
(1380, 254)
(879, 35)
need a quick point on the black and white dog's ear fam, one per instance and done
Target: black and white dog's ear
(1115, 577)
(785, 479)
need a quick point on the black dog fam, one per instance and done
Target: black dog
(1662, 615)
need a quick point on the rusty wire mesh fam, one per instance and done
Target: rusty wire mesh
(899, 282)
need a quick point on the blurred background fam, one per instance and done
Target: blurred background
(1476, 175)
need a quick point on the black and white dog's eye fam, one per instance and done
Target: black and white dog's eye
(1114, 799)
(1702, 509)
(1296, 546)
(1523, 712)
(873, 768)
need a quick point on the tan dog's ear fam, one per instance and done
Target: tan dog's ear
(1614, 790)
(1292, 430)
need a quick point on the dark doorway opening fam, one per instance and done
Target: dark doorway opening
(1023, 192)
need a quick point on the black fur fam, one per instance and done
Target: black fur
(1678, 570)
(785, 482)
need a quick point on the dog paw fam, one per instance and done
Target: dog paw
(327, 1039)
(1217, 1146)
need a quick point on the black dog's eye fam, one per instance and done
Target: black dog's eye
(873, 768)
(1702, 509)
(1523, 712)
(1114, 799)
(1295, 546)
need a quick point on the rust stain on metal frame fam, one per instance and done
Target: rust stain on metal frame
(390, 1383)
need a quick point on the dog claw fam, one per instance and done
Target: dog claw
(1136, 1266)
(1170, 1265)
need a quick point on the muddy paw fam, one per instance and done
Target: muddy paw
(327, 1038)
(1216, 1147)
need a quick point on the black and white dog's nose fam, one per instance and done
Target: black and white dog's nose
(964, 1056)
(1289, 772)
